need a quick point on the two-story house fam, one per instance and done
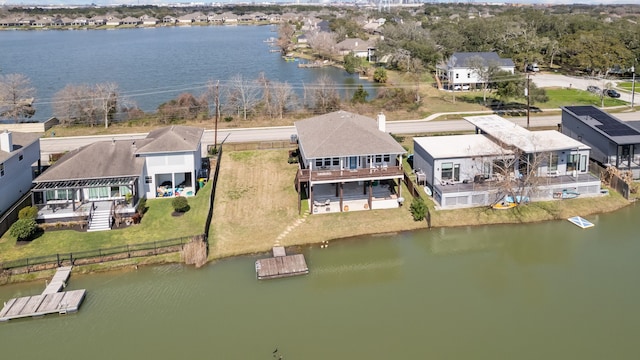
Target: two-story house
(348, 162)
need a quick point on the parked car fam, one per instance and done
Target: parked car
(533, 67)
(612, 93)
(461, 87)
(593, 89)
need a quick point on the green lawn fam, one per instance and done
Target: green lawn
(568, 97)
(157, 224)
(627, 85)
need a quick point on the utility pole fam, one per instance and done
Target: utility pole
(528, 94)
(633, 84)
(217, 99)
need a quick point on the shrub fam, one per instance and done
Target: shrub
(23, 229)
(380, 75)
(30, 212)
(418, 209)
(180, 204)
(142, 206)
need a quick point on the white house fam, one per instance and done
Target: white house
(459, 68)
(106, 174)
(18, 153)
(501, 158)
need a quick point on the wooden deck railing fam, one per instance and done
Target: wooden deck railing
(333, 175)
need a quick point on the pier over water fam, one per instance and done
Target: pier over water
(49, 302)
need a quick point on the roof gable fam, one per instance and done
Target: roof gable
(342, 133)
(97, 160)
(172, 139)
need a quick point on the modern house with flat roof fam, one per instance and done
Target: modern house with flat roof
(502, 159)
(348, 162)
(613, 142)
(18, 153)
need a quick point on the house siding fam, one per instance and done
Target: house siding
(18, 175)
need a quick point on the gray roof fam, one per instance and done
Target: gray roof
(97, 160)
(20, 140)
(461, 59)
(342, 133)
(172, 139)
(617, 131)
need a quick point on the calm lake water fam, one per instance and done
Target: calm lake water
(153, 65)
(539, 291)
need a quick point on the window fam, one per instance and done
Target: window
(468, 75)
(583, 163)
(318, 162)
(553, 162)
(386, 158)
(378, 158)
(572, 162)
(457, 76)
(1, 169)
(336, 161)
(327, 162)
(447, 171)
(148, 180)
(20, 157)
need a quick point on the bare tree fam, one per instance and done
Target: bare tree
(283, 97)
(73, 104)
(242, 95)
(16, 97)
(324, 95)
(519, 174)
(86, 104)
(266, 93)
(323, 43)
(285, 35)
(484, 72)
(105, 96)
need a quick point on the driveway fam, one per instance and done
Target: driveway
(545, 80)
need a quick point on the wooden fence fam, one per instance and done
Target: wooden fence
(95, 256)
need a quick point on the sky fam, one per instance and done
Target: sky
(164, 2)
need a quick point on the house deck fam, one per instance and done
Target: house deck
(487, 185)
(326, 201)
(49, 302)
(281, 265)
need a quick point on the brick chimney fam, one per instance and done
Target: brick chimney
(6, 141)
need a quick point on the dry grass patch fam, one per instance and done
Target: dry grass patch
(255, 201)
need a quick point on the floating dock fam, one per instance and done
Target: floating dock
(51, 300)
(281, 265)
(581, 222)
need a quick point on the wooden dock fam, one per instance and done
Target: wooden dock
(49, 302)
(281, 265)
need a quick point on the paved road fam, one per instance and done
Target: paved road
(62, 144)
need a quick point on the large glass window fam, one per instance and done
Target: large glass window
(99, 193)
(572, 162)
(59, 195)
(447, 171)
(553, 162)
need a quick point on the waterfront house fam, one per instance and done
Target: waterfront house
(80, 21)
(114, 21)
(169, 20)
(459, 69)
(150, 21)
(359, 48)
(501, 159)
(130, 20)
(97, 21)
(613, 142)
(19, 153)
(348, 162)
(114, 175)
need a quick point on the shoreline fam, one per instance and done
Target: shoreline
(176, 258)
